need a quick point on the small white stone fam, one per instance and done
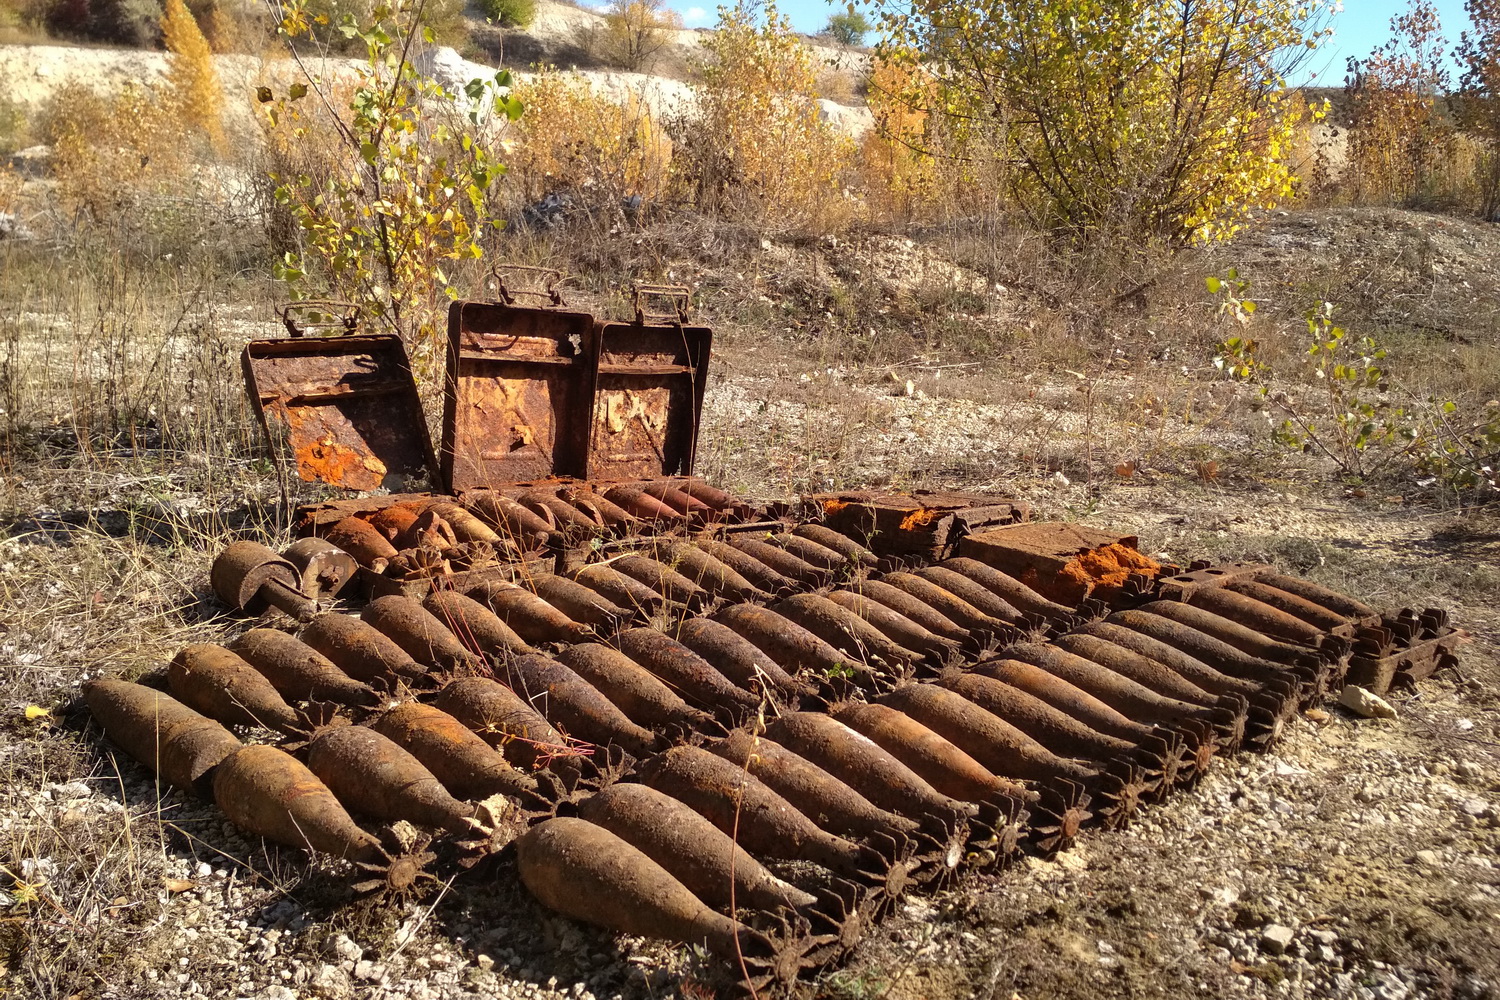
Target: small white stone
(1366, 703)
(1274, 938)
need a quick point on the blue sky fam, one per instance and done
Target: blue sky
(1361, 26)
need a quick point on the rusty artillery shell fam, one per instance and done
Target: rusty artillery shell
(716, 498)
(738, 659)
(504, 720)
(357, 537)
(575, 706)
(632, 688)
(976, 594)
(845, 546)
(617, 588)
(786, 642)
(865, 766)
(643, 506)
(764, 823)
(360, 649)
(532, 618)
(781, 561)
(843, 629)
(1301, 608)
(393, 523)
(812, 553)
(297, 670)
(1063, 806)
(574, 521)
(514, 522)
(995, 743)
(267, 792)
(1341, 604)
(1151, 765)
(683, 670)
(895, 626)
(466, 527)
(682, 502)
(697, 853)
(1215, 652)
(372, 775)
(665, 581)
(950, 605)
(1115, 690)
(612, 515)
(467, 766)
(1142, 669)
(763, 577)
(217, 682)
(905, 604)
(940, 762)
(588, 607)
(1007, 588)
(707, 572)
(160, 732)
(419, 632)
(479, 629)
(810, 789)
(1241, 637)
(588, 873)
(1257, 616)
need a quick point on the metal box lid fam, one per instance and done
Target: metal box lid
(346, 407)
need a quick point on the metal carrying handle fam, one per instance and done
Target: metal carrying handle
(338, 313)
(548, 278)
(677, 298)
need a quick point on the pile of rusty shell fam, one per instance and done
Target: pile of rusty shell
(530, 617)
(953, 607)
(468, 767)
(268, 793)
(781, 561)
(663, 579)
(410, 527)
(297, 671)
(1007, 752)
(763, 576)
(738, 659)
(709, 573)
(505, 721)
(679, 496)
(1217, 653)
(846, 631)
(617, 588)
(417, 631)
(361, 540)
(523, 527)
(466, 527)
(371, 775)
(896, 627)
(1008, 589)
(582, 604)
(636, 691)
(1272, 620)
(361, 650)
(1148, 767)
(217, 682)
(1177, 740)
(852, 551)
(1240, 707)
(588, 873)
(694, 678)
(873, 772)
(765, 823)
(161, 732)
(798, 651)
(1323, 665)
(574, 706)
(617, 519)
(474, 625)
(914, 610)
(576, 523)
(1003, 805)
(640, 504)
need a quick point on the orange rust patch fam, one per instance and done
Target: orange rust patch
(833, 506)
(1109, 566)
(920, 518)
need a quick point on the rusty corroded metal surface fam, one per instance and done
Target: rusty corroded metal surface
(1063, 561)
(517, 393)
(923, 524)
(346, 408)
(648, 397)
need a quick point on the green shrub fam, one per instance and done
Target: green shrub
(510, 13)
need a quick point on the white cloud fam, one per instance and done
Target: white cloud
(694, 15)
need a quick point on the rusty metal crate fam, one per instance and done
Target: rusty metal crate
(345, 406)
(517, 393)
(924, 524)
(650, 377)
